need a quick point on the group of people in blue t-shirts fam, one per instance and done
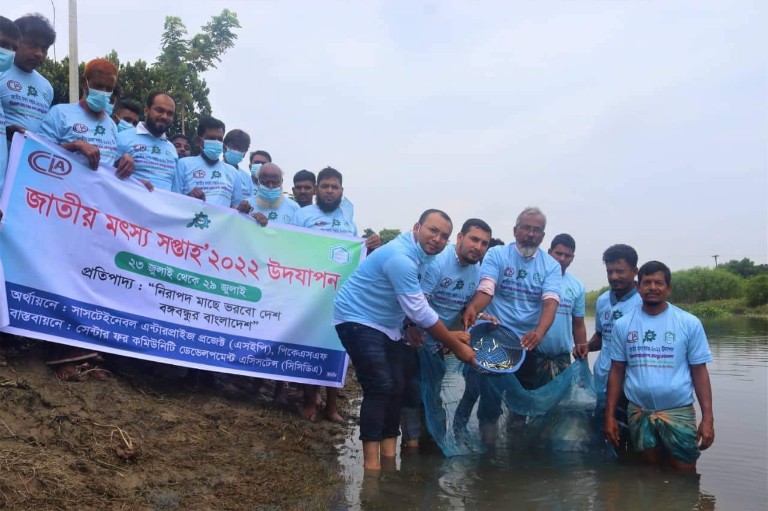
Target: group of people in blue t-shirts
(414, 300)
(416, 293)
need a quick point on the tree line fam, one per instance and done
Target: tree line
(177, 70)
(735, 280)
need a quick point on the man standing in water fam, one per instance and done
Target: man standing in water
(553, 355)
(659, 355)
(621, 267)
(520, 285)
(368, 313)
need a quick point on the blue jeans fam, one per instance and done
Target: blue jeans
(378, 362)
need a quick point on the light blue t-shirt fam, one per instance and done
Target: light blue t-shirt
(520, 284)
(369, 296)
(659, 351)
(71, 122)
(607, 310)
(26, 97)
(3, 150)
(313, 217)
(448, 286)
(559, 338)
(246, 183)
(155, 158)
(283, 213)
(219, 181)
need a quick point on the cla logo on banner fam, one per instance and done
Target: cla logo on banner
(49, 164)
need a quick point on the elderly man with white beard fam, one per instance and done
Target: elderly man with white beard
(520, 285)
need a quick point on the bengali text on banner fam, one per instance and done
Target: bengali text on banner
(96, 262)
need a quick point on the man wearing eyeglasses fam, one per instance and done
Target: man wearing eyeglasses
(85, 127)
(520, 285)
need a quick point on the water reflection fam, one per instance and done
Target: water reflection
(731, 475)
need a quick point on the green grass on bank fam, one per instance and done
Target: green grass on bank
(721, 308)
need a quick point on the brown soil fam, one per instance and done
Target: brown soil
(143, 440)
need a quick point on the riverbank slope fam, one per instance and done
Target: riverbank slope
(141, 440)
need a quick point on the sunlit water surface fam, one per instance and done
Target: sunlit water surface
(731, 475)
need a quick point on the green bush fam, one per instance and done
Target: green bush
(704, 284)
(756, 291)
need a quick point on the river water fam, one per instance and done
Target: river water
(731, 475)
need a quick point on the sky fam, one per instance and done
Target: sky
(633, 122)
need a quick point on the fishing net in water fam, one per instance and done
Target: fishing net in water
(467, 409)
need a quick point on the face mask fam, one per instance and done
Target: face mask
(233, 157)
(123, 125)
(269, 194)
(110, 108)
(255, 168)
(6, 59)
(97, 100)
(212, 149)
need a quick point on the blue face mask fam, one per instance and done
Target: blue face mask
(255, 168)
(6, 59)
(233, 157)
(212, 149)
(269, 194)
(123, 125)
(97, 100)
(110, 108)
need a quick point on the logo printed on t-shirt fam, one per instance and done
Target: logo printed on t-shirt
(669, 337)
(199, 174)
(31, 91)
(446, 282)
(521, 274)
(216, 174)
(509, 272)
(617, 314)
(649, 336)
(459, 284)
(79, 127)
(13, 85)
(633, 336)
(155, 149)
(537, 278)
(100, 130)
(139, 147)
(272, 215)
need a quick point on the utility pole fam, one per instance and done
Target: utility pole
(716, 256)
(74, 71)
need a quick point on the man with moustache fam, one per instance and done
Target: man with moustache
(520, 285)
(155, 158)
(659, 358)
(621, 268)
(369, 310)
(448, 282)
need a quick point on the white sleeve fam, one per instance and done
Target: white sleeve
(418, 310)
